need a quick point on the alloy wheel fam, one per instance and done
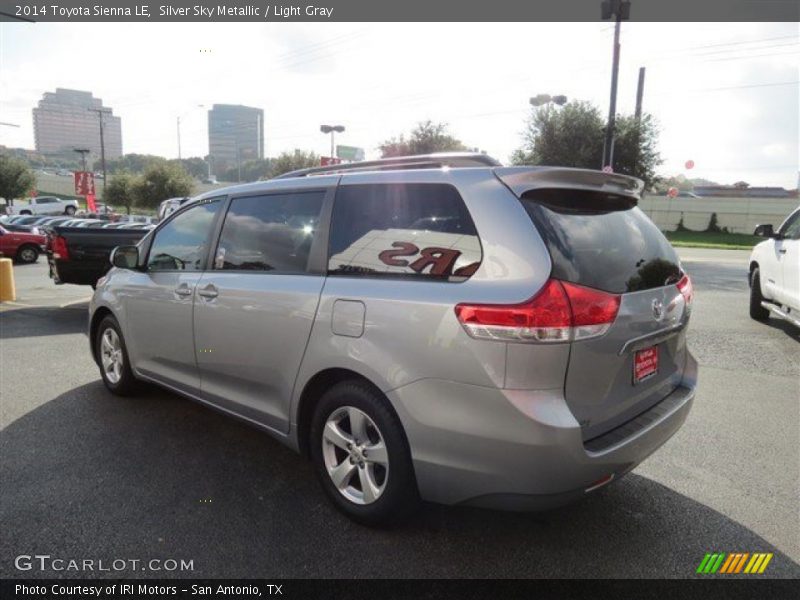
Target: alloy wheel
(355, 455)
(111, 355)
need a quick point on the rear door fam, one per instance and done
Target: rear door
(255, 307)
(604, 241)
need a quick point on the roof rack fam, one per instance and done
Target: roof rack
(422, 161)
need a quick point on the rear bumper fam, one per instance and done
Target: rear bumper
(522, 450)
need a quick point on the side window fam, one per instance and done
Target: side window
(791, 228)
(182, 244)
(403, 230)
(269, 233)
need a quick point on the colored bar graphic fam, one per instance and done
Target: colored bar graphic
(765, 563)
(741, 562)
(703, 563)
(753, 564)
(718, 563)
(734, 562)
(727, 564)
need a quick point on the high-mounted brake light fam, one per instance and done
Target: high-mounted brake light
(60, 250)
(560, 312)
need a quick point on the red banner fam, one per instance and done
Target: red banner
(84, 183)
(90, 205)
(327, 161)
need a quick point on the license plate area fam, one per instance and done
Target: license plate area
(645, 364)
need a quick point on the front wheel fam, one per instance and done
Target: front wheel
(27, 254)
(361, 455)
(70, 210)
(112, 356)
(757, 312)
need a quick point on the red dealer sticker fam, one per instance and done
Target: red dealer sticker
(645, 364)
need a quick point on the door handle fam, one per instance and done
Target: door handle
(210, 291)
(183, 290)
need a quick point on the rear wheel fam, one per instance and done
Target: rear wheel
(757, 312)
(112, 356)
(70, 210)
(24, 212)
(361, 455)
(27, 254)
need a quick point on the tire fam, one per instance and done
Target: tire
(394, 493)
(25, 212)
(70, 210)
(757, 312)
(117, 376)
(27, 254)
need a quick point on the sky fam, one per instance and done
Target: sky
(725, 95)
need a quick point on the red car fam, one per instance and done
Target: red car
(22, 247)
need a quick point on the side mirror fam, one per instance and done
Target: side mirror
(765, 231)
(125, 257)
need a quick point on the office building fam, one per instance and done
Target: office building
(235, 135)
(63, 121)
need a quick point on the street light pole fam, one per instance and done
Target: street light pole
(621, 10)
(100, 113)
(331, 129)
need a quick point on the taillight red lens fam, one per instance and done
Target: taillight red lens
(590, 306)
(687, 289)
(60, 250)
(559, 312)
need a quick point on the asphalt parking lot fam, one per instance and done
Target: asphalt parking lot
(86, 475)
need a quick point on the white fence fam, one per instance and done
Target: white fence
(739, 215)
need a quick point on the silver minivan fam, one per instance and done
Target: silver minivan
(437, 327)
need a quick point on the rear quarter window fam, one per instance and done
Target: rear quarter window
(602, 241)
(403, 230)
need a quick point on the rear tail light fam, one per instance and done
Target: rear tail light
(60, 250)
(560, 312)
(687, 291)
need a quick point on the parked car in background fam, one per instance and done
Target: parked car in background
(169, 206)
(775, 272)
(23, 247)
(504, 337)
(45, 205)
(80, 255)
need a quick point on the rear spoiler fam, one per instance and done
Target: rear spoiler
(524, 179)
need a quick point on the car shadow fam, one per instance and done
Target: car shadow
(784, 326)
(44, 321)
(157, 476)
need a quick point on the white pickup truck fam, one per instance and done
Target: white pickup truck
(775, 272)
(45, 205)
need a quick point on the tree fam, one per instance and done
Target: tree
(120, 190)
(572, 136)
(160, 181)
(16, 178)
(251, 170)
(135, 163)
(195, 166)
(291, 161)
(428, 137)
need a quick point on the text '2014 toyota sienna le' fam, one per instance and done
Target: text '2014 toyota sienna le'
(434, 327)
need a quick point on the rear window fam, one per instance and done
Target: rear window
(402, 230)
(602, 241)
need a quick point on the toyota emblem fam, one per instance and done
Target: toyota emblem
(658, 309)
